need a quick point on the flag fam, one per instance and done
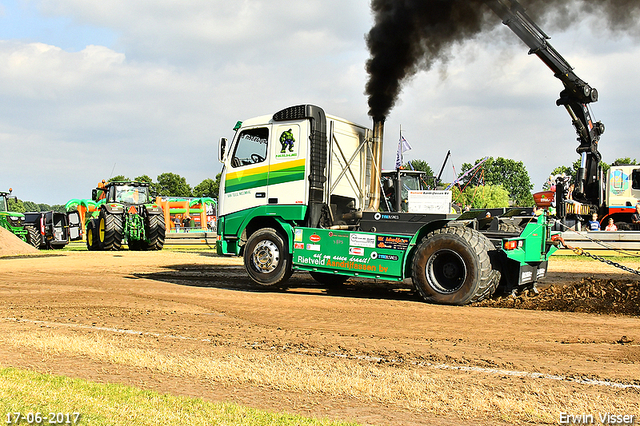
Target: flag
(403, 146)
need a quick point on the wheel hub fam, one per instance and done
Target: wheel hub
(266, 256)
(446, 271)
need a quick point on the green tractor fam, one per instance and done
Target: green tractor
(128, 215)
(12, 221)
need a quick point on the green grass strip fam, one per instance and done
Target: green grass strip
(23, 391)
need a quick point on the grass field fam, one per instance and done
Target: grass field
(61, 400)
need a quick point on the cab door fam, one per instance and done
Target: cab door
(247, 170)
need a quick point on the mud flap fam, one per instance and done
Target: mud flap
(521, 276)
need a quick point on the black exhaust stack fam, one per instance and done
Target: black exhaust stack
(376, 165)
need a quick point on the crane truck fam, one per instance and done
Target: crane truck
(300, 191)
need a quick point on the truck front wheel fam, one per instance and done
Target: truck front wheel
(266, 258)
(452, 266)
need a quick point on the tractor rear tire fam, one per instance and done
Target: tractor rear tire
(267, 258)
(33, 236)
(110, 230)
(155, 231)
(509, 227)
(452, 266)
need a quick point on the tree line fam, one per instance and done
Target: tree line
(174, 185)
(502, 182)
(166, 185)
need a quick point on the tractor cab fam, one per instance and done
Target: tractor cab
(129, 193)
(396, 185)
(12, 221)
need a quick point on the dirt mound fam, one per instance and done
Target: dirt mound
(593, 295)
(10, 245)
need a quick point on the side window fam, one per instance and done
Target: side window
(251, 147)
(635, 179)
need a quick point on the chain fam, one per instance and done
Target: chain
(579, 251)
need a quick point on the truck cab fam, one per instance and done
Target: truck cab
(301, 191)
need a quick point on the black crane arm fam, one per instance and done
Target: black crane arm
(575, 97)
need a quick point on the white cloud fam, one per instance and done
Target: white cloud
(180, 75)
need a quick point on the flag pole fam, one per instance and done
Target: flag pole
(400, 142)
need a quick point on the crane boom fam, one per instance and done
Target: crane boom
(575, 96)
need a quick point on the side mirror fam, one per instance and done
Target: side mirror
(222, 149)
(94, 194)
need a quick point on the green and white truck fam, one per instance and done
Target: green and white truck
(300, 191)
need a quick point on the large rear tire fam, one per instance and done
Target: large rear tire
(34, 237)
(155, 230)
(266, 258)
(110, 230)
(452, 266)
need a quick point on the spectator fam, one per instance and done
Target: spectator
(611, 226)
(594, 225)
(635, 218)
(186, 221)
(176, 223)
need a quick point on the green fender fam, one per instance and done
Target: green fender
(231, 226)
(415, 240)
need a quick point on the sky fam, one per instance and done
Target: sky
(93, 89)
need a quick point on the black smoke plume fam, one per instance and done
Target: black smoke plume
(411, 35)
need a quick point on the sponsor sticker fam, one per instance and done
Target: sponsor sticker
(362, 240)
(313, 247)
(298, 235)
(387, 257)
(315, 238)
(298, 246)
(393, 243)
(386, 216)
(356, 251)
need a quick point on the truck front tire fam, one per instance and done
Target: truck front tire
(266, 258)
(452, 266)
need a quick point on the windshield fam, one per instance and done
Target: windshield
(3, 203)
(411, 183)
(132, 194)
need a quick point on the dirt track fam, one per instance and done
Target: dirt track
(460, 365)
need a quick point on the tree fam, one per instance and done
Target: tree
(512, 175)
(143, 178)
(15, 205)
(420, 165)
(152, 186)
(481, 197)
(30, 206)
(573, 170)
(208, 187)
(173, 185)
(119, 178)
(624, 161)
